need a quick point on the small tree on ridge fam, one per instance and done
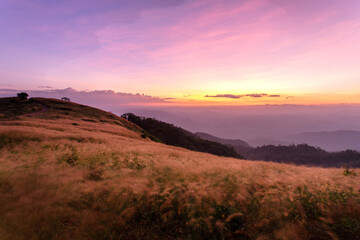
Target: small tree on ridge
(23, 95)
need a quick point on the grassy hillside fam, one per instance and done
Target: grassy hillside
(176, 136)
(44, 108)
(63, 176)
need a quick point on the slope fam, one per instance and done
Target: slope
(231, 142)
(45, 108)
(176, 136)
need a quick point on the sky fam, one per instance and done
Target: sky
(182, 52)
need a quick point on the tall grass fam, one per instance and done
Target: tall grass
(101, 181)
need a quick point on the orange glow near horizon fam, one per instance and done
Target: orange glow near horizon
(308, 99)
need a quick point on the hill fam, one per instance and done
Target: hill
(301, 154)
(330, 140)
(44, 108)
(176, 136)
(230, 142)
(64, 174)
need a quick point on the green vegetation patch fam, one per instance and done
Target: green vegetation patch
(71, 157)
(133, 162)
(13, 138)
(14, 107)
(95, 174)
(349, 172)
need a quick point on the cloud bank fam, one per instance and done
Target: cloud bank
(95, 98)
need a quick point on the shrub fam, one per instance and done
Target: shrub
(348, 172)
(95, 175)
(23, 95)
(71, 158)
(134, 163)
(347, 228)
(13, 138)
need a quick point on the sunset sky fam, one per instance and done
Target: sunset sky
(186, 52)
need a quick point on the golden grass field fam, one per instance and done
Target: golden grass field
(67, 178)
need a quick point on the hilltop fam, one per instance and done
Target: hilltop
(69, 171)
(47, 108)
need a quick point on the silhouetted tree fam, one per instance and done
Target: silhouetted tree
(23, 95)
(65, 99)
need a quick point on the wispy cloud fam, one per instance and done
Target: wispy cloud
(256, 95)
(252, 95)
(224, 96)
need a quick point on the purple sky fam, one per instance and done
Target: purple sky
(186, 50)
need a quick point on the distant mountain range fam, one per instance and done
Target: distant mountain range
(302, 154)
(321, 126)
(332, 141)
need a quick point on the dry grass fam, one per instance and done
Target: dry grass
(62, 179)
